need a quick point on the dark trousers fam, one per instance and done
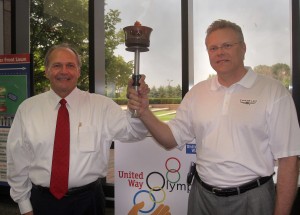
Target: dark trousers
(258, 201)
(87, 202)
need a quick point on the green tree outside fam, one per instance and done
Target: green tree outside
(278, 71)
(52, 22)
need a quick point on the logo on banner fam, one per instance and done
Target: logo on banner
(158, 184)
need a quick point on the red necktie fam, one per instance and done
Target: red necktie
(61, 153)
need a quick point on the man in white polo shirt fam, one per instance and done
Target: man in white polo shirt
(243, 123)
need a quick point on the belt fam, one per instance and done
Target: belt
(72, 191)
(230, 191)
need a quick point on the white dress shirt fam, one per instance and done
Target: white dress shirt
(240, 131)
(95, 121)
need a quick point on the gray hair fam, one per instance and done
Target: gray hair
(62, 45)
(221, 24)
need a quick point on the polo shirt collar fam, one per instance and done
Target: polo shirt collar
(247, 81)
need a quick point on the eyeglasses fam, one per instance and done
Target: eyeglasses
(224, 46)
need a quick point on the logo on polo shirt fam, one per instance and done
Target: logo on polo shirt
(248, 101)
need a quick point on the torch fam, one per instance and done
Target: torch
(137, 40)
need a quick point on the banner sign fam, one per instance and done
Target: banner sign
(146, 172)
(14, 89)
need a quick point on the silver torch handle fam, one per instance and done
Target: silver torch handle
(136, 76)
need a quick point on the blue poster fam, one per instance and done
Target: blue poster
(14, 89)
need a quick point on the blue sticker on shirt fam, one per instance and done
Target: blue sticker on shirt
(190, 148)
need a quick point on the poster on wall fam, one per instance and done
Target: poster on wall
(146, 172)
(14, 88)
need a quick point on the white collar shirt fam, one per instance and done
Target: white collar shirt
(95, 121)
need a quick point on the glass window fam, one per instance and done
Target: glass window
(53, 22)
(266, 27)
(161, 64)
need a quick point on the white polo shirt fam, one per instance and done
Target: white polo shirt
(240, 131)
